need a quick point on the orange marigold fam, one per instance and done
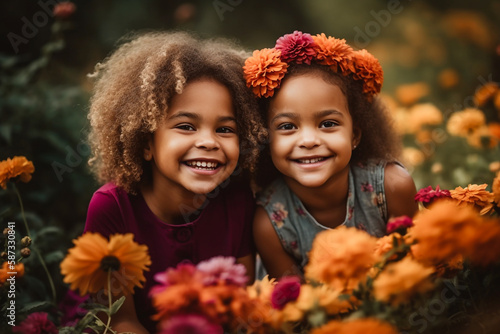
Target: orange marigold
(423, 114)
(333, 52)
(386, 243)
(87, 264)
(6, 271)
(482, 138)
(485, 249)
(496, 189)
(463, 123)
(401, 280)
(474, 195)
(341, 257)
(367, 68)
(15, 167)
(494, 129)
(264, 71)
(357, 326)
(485, 93)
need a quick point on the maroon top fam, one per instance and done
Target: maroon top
(223, 228)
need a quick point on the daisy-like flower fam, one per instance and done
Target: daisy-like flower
(87, 264)
(396, 223)
(333, 52)
(427, 195)
(296, 47)
(264, 71)
(36, 323)
(474, 195)
(224, 270)
(367, 68)
(357, 326)
(401, 280)
(341, 257)
(463, 123)
(287, 290)
(190, 323)
(15, 167)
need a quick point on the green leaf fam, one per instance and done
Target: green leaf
(117, 304)
(34, 306)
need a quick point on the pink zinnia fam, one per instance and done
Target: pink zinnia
(397, 223)
(180, 274)
(427, 195)
(223, 269)
(287, 290)
(190, 324)
(36, 323)
(297, 47)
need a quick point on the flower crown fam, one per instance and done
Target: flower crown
(267, 67)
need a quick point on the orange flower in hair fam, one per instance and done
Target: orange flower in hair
(333, 52)
(474, 195)
(368, 69)
(264, 71)
(15, 167)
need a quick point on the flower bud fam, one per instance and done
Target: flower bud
(6, 231)
(3, 255)
(26, 241)
(25, 252)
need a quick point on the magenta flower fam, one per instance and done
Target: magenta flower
(297, 47)
(71, 309)
(36, 323)
(287, 290)
(427, 195)
(397, 223)
(223, 269)
(190, 323)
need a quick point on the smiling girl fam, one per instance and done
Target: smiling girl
(170, 117)
(332, 145)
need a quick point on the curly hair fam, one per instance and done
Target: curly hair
(133, 90)
(379, 138)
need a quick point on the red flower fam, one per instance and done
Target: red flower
(399, 223)
(427, 195)
(64, 10)
(296, 47)
(36, 323)
(287, 290)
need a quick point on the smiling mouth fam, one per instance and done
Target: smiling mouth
(203, 165)
(310, 161)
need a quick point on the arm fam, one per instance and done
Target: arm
(276, 261)
(249, 263)
(399, 192)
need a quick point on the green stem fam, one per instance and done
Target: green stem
(49, 277)
(109, 301)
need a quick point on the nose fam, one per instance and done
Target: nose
(207, 141)
(308, 139)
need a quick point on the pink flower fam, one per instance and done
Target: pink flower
(189, 323)
(287, 290)
(297, 47)
(184, 272)
(36, 323)
(71, 309)
(223, 269)
(397, 223)
(427, 195)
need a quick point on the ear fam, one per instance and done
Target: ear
(356, 137)
(148, 151)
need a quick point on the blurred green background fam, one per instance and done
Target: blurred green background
(440, 53)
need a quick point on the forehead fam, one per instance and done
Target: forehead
(308, 94)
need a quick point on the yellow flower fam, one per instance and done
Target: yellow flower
(341, 257)
(401, 280)
(17, 166)
(463, 123)
(474, 195)
(358, 326)
(87, 264)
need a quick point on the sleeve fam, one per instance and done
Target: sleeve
(104, 215)
(246, 246)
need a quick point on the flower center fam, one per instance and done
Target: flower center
(110, 263)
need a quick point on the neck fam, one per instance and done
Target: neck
(173, 205)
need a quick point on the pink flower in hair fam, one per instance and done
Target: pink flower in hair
(297, 47)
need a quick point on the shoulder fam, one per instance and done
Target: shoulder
(107, 195)
(105, 208)
(274, 192)
(400, 191)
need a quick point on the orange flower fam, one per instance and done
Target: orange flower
(423, 114)
(486, 249)
(408, 94)
(482, 138)
(368, 69)
(494, 129)
(475, 195)
(264, 71)
(358, 326)
(333, 52)
(386, 243)
(18, 271)
(87, 264)
(341, 257)
(17, 166)
(496, 189)
(448, 78)
(485, 93)
(401, 280)
(463, 123)
(443, 231)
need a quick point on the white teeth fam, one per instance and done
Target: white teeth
(202, 164)
(310, 161)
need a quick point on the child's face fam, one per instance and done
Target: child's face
(311, 131)
(197, 146)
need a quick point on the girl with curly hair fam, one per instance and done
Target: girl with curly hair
(174, 136)
(332, 146)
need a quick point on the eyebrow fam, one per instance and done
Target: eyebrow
(317, 114)
(196, 116)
